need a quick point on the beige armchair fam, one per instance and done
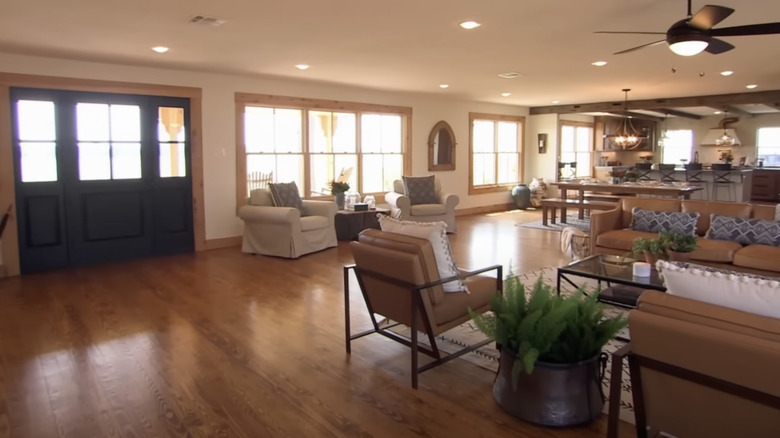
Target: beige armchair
(281, 231)
(402, 208)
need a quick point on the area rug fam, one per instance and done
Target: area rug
(571, 221)
(487, 357)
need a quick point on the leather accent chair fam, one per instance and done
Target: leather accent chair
(698, 369)
(398, 278)
(401, 206)
(282, 231)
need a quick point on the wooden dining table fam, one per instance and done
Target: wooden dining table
(660, 190)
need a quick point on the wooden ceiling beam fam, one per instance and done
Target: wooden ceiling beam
(676, 113)
(737, 111)
(636, 115)
(770, 98)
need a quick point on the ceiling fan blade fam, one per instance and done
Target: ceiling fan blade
(709, 16)
(654, 43)
(750, 29)
(717, 46)
(633, 33)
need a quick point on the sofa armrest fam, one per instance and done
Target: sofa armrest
(400, 204)
(321, 208)
(261, 214)
(450, 200)
(601, 222)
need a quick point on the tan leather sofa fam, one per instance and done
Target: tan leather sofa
(703, 370)
(609, 233)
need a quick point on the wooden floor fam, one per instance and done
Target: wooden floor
(223, 344)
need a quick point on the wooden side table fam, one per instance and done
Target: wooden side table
(349, 223)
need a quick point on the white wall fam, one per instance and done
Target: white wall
(542, 165)
(219, 122)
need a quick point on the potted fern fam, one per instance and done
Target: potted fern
(550, 352)
(651, 249)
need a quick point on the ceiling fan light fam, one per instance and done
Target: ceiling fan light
(688, 48)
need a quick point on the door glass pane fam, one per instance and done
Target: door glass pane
(170, 124)
(125, 123)
(94, 161)
(172, 160)
(126, 160)
(36, 120)
(38, 162)
(92, 122)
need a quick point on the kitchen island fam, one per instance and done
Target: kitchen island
(741, 177)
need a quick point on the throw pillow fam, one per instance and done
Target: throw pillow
(436, 233)
(286, 195)
(744, 231)
(653, 221)
(777, 212)
(420, 189)
(746, 292)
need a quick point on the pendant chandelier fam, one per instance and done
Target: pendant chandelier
(626, 137)
(726, 139)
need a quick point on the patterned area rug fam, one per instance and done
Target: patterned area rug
(571, 221)
(487, 357)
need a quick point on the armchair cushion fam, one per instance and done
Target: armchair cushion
(663, 221)
(428, 209)
(436, 233)
(287, 195)
(744, 231)
(420, 189)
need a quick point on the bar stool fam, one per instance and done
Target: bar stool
(666, 173)
(721, 177)
(567, 171)
(643, 169)
(694, 178)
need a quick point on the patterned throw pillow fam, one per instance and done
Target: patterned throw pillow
(286, 195)
(744, 231)
(420, 189)
(436, 233)
(653, 221)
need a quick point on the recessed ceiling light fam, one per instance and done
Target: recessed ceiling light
(556, 101)
(468, 25)
(302, 66)
(718, 112)
(510, 75)
(599, 63)
(751, 86)
(444, 86)
(726, 73)
(160, 49)
(506, 94)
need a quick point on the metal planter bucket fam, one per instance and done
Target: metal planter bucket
(553, 394)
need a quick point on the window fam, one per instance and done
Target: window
(768, 146)
(37, 140)
(577, 147)
(109, 141)
(313, 142)
(496, 152)
(678, 146)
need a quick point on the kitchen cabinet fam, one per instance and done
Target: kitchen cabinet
(641, 126)
(766, 185)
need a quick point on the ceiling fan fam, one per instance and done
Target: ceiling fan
(695, 34)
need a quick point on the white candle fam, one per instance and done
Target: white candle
(641, 269)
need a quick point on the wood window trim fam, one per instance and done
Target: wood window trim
(520, 152)
(289, 102)
(7, 181)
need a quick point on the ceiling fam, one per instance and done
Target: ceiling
(413, 45)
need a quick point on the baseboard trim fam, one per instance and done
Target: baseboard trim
(484, 209)
(224, 242)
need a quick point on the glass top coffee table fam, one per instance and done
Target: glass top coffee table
(623, 288)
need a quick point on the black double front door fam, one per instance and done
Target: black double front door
(100, 177)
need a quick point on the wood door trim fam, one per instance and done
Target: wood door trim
(10, 247)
